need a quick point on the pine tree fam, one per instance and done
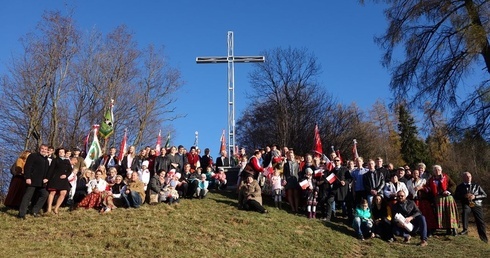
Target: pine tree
(412, 148)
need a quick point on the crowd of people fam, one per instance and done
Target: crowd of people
(376, 199)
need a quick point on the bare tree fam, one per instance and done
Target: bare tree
(157, 84)
(287, 96)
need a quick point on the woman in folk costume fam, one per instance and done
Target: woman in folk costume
(422, 199)
(97, 196)
(17, 186)
(440, 186)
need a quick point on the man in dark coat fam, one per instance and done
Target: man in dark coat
(36, 175)
(471, 195)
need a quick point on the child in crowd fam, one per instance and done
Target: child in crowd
(209, 175)
(144, 173)
(171, 194)
(202, 188)
(277, 187)
(73, 182)
(220, 179)
(311, 193)
(363, 222)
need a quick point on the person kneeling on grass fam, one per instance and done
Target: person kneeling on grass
(202, 187)
(413, 221)
(134, 192)
(362, 222)
(250, 195)
(220, 179)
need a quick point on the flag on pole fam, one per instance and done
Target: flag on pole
(107, 126)
(223, 142)
(85, 142)
(167, 143)
(338, 155)
(122, 148)
(159, 143)
(318, 142)
(196, 140)
(354, 150)
(95, 151)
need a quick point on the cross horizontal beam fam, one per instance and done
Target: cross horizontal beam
(226, 59)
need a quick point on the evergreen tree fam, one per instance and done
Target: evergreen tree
(412, 148)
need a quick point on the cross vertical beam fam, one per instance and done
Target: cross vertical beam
(230, 59)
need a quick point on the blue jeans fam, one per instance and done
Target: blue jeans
(361, 226)
(133, 199)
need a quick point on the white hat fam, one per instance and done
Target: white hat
(309, 171)
(145, 163)
(178, 175)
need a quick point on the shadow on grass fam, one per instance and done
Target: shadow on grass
(230, 195)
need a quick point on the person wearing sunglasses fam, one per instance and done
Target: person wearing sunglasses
(410, 214)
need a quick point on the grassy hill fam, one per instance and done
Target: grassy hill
(212, 227)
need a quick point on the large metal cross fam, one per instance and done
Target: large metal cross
(231, 59)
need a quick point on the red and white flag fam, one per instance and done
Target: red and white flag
(222, 142)
(319, 172)
(304, 184)
(159, 143)
(318, 142)
(354, 150)
(331, 178)
(122, 149)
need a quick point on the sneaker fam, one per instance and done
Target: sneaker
(423, 243)
(360, 237)
(464, 232)
(107, 210)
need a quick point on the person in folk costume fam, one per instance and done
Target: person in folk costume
(311, 194)
(440, 187)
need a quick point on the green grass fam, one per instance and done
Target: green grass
(212, 227)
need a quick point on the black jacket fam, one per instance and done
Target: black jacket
(36, 169)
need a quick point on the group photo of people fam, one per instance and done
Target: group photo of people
(377, 200)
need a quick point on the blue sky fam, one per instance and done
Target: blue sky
(339, 33)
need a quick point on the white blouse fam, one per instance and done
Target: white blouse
(100, 184)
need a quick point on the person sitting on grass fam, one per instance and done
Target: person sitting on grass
(116, 190)
(202, 188)
(412, 216)
(157, 183)
(220, 179)
(362, 222)
(134, 192)
(381, 215)
(250, 194)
